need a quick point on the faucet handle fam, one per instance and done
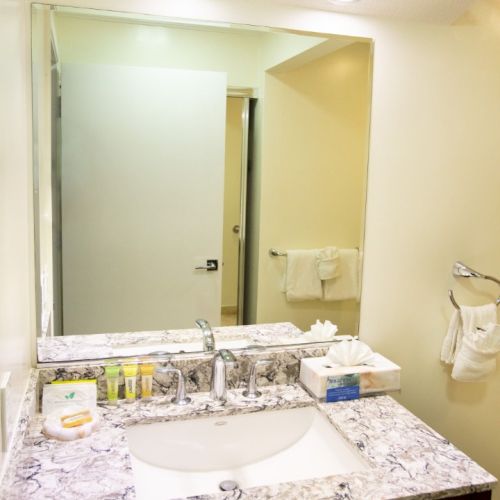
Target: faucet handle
(180, 395)
(251, 390)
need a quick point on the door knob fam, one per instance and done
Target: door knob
(236, 229)
(212, 265)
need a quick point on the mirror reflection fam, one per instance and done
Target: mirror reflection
(171, 157)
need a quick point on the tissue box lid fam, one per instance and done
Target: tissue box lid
(324, 367)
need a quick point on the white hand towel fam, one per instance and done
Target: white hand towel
(478, 316)
(328, 263)
(477, 356)
(463, 321)
(346, 285)
(302, 280)
(449, 347)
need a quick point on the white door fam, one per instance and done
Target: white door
(142, 197)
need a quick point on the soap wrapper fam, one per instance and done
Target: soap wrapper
(81, 393)
(320, 375)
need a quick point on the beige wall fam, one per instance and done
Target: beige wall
(232, 201)
(16, 221)
(138, 45)
(482, 13)
(315, 140)
(432, 197)
(242, 54)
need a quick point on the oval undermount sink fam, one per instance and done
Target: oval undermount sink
(191, 457)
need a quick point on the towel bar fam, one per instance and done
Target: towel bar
(463, 271)
(276, 253)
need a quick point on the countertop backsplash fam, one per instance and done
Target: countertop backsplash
(196, 370)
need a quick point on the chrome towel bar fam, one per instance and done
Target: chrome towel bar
(273, 252)
(276, 253)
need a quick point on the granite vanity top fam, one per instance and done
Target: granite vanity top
(407, 459)
(104, 345)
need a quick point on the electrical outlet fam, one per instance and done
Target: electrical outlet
(4, 434)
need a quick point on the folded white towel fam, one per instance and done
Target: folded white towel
(346, 285)
(474, 317)
(477, 356)
(468, 319)
(302, 280)
(328, 263)
(449, 347)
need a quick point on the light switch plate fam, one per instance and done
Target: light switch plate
(4, 388)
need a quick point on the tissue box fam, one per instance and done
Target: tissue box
(335, 383)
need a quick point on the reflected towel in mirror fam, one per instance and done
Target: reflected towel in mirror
(328, 263)
(302, 280)
(346, 285)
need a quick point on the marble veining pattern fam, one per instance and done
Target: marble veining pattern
(197, 371)
(28, 408)
(102, 345)
(407, 458)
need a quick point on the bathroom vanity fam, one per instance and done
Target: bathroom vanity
(394, 454)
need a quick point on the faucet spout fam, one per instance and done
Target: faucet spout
(208, 336)
(221, 360)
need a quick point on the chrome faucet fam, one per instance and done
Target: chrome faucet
(208, 336)
(222, 359)
(180, 396)
(251, 390)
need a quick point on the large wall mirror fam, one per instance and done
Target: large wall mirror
(170, 158)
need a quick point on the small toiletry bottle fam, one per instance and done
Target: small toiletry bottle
(112, 374)
(147, 371)
(130, 374)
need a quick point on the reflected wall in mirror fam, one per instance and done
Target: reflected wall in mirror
(163, 147)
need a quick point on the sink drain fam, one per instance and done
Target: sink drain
(228, 485)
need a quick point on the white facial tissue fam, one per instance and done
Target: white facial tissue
(350, 353)
(321, 332)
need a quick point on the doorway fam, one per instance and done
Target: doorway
(235, 196)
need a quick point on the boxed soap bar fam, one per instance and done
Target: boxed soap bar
(60, 394)
(324, 380)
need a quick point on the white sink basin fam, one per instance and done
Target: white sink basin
(174, 347)
(192, 457)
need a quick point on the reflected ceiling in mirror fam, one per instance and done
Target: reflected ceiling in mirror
(169, 157)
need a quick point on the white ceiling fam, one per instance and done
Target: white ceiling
(431, 11)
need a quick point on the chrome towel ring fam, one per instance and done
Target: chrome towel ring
(462, 271)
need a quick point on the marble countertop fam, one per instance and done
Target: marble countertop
(407, 459)
(105, 345)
